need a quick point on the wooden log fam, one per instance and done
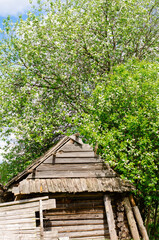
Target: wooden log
(77, 222)
(76, 211)
(84, 234)
(110, 218)
(93, 238)
(139, 219)
(131, 220)
(79, 228)
(52, 216)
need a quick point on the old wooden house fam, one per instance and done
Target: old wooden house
(92, 201)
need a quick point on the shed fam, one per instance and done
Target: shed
(92, 201)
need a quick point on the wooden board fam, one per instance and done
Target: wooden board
(33, 206)
(72, 160)
(71, 174)
(110, 217)
(71, 167)
(85, 234)
(76, 148)
(75, 154)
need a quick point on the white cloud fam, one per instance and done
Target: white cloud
(14, 7)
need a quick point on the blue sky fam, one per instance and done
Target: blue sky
(12, 8)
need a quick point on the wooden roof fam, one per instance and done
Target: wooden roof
(70, 166)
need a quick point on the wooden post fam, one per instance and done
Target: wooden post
(139, 219)
(131, 220)
(110, 217)
(41, 220)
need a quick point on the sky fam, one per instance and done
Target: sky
(12, 8)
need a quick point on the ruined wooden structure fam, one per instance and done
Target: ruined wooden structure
(18, 219)
(92, 201)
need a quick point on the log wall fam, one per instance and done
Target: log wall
(78, 218)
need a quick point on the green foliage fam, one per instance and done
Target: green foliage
(124, 120)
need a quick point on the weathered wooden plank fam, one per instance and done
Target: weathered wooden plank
(93, 238)
(32, 187)
(131, 220)
(75, 154)
(19, 207)
(22, 231)
(23, 187)
(76, 148)
(78, 222)
(37, 185)
(81, 228)
(43, 185)
(47, 234)
(71, 167)
(41, 219)
(17, 221)
(75, 216)
(73, 160)
(33, 206)
(11, 216)
(68, 184)
(18, 227)
(71, 174)
(86, 205)
(77, 211)
(84, 234)
(7, 236)
(110, 218)
(23, 201)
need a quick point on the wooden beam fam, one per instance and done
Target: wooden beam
(139, 219)
(110, 217)
(41, 220)
(131, 220)
(23, 201)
